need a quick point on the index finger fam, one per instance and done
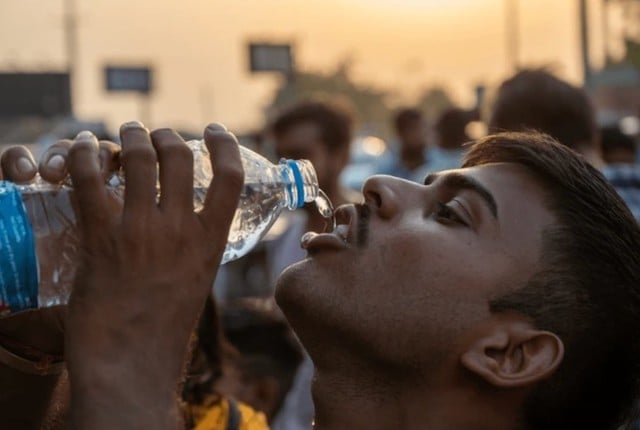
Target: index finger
(223, 194)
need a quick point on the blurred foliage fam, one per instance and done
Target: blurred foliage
(369, 105)
(433, 102)
(372, 107)
(631, 32)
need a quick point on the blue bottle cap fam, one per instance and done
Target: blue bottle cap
(297, 177)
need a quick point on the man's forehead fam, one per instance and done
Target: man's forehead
(494, 172)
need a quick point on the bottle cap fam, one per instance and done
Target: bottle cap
(299, 183)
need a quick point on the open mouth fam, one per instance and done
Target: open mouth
(348, 231)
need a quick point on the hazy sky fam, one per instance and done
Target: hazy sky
(198, 48)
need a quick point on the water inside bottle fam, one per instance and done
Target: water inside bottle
(260, 204)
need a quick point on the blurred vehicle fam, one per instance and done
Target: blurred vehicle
(39, 133)
(365, 154)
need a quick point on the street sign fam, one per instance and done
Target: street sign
(270, 57)
(136, 79)
(34, 94)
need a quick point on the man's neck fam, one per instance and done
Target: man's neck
(347, 399)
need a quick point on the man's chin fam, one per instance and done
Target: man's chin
(291, 279)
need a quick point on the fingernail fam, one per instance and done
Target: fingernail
(24, 165)
(215, 126)
(56, 162)
(84, 135)
(131, 124)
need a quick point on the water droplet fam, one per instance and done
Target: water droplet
(325, 207)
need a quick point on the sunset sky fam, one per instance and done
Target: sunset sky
(198, 48)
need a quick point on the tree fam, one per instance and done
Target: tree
(369, 104)
(433, 102)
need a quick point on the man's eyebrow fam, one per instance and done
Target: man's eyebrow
(464, 182)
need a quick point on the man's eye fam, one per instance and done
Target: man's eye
(445, 214)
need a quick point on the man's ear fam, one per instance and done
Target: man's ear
(513, 353)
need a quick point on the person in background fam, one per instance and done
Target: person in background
(619, 153)
(409, 160)
(320, 132)
(451, 136)
(209, 401)
(268, 353)
(537, 100)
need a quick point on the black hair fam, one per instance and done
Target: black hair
(537, 100)
(334, 123)
(588, 292)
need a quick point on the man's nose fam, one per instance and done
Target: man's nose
(388, 194)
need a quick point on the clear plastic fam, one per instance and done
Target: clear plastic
(269, 189)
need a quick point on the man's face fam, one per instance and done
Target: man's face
(304, 141)
(434, 257)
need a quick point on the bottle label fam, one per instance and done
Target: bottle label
(18, 264)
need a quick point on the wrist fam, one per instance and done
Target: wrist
(139, 401)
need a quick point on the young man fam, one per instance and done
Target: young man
(409, 161)
(503, 295)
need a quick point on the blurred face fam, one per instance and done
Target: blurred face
(414, 136)
(404, 276)
(304, 141)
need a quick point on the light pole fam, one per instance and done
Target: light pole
(584, 43)
(71, 46)
(512, 33)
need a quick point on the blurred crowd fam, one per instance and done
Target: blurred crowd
(247, 361)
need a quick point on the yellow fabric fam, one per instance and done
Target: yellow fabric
(216, 416)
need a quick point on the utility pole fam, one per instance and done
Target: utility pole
(71, 46)
(584, 43)
(512, 33)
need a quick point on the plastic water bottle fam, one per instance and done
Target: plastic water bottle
(39, 242)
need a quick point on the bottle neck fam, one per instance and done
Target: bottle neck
(301, 182)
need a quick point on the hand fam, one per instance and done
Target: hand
(29, 400)
(43, 329)
(144, 275)
(18, 165)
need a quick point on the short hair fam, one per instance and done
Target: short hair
(334, 123)
(587, 291)
(537, 100)
(405, 118)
